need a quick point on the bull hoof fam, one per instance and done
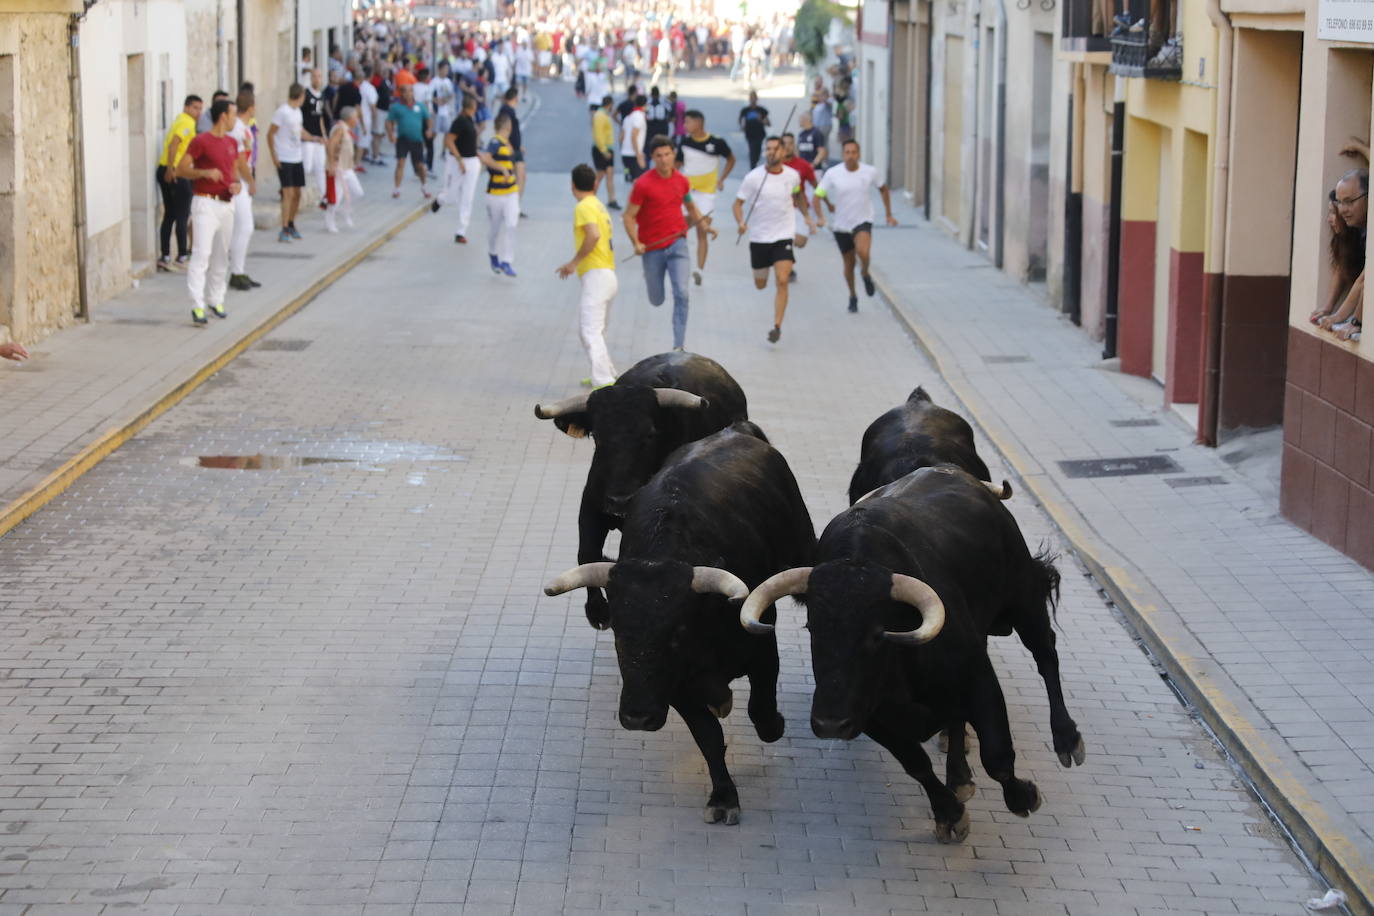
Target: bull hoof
(1024, 807)
(722, 709)
(598, 613)
(1076, 756)
(715, 814)
(964, 791)
(956, 832)
(770, 730)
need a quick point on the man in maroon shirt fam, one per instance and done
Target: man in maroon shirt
(807, 174)
(209, 163)
(658, 230)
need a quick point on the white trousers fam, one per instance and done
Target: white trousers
(347, 189)
(243, 230)
(503, 210)
(207, 275)
(362, 138)
(460, 188)
(313, 161)
(599, 287)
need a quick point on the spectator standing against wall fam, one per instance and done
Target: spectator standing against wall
(242, 134)
(176, 192)
(284, 141)
(210, 164)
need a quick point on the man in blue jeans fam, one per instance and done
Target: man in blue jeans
(657, 229)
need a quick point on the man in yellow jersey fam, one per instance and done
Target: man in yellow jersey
(603, 147)
(595, 267)
(176, 192)
(700, 154)
(503, 196)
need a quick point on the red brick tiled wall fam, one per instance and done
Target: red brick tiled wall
(1328, 437)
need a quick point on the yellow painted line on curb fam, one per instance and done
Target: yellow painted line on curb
(91, 455)
(1322, 839)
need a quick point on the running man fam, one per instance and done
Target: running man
(658, 232)
(700, 154)
(775, 191)
(603, 148)
(503, 197)
(846, 192)
(808, 176)
(595, 267)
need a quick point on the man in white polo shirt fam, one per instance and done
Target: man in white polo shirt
(847, 192)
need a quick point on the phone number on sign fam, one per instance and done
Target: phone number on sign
(1349, 25)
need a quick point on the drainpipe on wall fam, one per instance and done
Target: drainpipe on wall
(1073, 200)
(999, 182)
(83, 307)
(1208, 420)
(969, 227)
(930, 73)
(1114, 220)
(238, 29)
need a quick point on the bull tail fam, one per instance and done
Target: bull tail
(918, 396)
(1047, 578)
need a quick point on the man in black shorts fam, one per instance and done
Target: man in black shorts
(603, 148)
(286, 144)
(775, 193)
(408, 126)
(847, 191)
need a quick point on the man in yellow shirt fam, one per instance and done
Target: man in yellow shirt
(603, 147)
(176, 192)
(595, 267)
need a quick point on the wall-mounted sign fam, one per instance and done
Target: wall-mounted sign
(1346, 20)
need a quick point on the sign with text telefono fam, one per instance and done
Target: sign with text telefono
(1346, 20)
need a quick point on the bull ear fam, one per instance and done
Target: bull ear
(578, 425)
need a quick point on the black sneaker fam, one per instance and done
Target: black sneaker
(461, 239)
(853, 303)
(434, 207)
(613, 206)
(774, 334)
(868, 285)
(253, 284)
(239, 282)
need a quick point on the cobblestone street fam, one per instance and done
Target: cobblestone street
(288, 649)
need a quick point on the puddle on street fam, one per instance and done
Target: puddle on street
(367, 456)
(258, 462)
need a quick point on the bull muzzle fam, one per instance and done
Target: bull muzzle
(643, 721)
(844, 728)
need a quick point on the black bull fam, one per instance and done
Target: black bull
(943, 528)
(723, 515)
(659, 404)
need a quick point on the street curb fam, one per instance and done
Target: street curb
(104, 445)
(1275, 771)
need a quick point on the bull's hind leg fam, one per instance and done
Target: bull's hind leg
(958, 775)
(763, 688)
(1037, 635)
(987, 710)
(723, 805)
(951, 819)
(592, 528)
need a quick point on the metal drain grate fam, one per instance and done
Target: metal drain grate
(1131, 424)
(290, 344)
(1119, 467)
(1005, 360)
(1211, 481)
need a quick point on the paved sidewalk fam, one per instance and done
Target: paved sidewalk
(88, 382)
(1266, 628)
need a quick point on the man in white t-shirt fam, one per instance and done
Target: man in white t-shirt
(634, 137)
(285, 144)
(774, 193)
(847, 192)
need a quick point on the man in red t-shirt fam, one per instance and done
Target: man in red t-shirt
(658, 230)
(807, 173)
(210, 164)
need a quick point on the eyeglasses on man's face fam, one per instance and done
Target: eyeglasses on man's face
(1346, 201)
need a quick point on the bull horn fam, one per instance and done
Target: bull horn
(787, 582)
(868, 495)
(708, 580)
(676, 397)
(588, 575)
(559, 408)
(1002, 491)
(922, 597)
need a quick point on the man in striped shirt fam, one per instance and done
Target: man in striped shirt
(503, 197)
(700, 154)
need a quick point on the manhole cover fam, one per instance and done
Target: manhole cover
(291, 344)
(1005, 360)
(1119, 467)
(1131, 424)
(1177, 482)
